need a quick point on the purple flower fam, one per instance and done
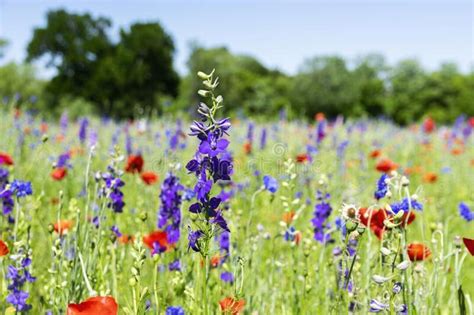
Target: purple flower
(63, 160)
(227, 277)
(263, 138)
(175, 265)
(83, 129)
(193, 239)
(169, 216)
(113, 184)
(211, 164)
(377, 306)
(116, 231)
(220, 221)
(212, 146)
(322, 211)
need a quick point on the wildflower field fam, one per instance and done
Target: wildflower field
(234, 216)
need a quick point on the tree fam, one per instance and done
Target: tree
(73, 44)
(324, 84)
(407, 81)
(371, 91)
(138, 72)
(123, 79)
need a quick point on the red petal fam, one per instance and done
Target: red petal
(469, 245)
(103, 305)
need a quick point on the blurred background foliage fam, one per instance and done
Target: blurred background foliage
(134, 76)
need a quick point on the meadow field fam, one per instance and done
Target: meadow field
(235, 216)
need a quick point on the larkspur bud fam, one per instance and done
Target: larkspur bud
(203, 76)
(403, 265)
(397, 287)
(379, 279)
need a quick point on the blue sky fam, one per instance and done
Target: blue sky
(280, 33)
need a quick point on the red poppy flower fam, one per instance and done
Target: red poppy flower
(429, 125)
(302, 158)
(298, 237)
(231, 306)
(430, 177)
(457, 151)
(319, 117)
(5, 159)
(288, 217)
(59, 173)
(469, 245)
(44, 127)
(216, 260)
(375, 154)
(386, 166)
(247, 147)
(418, 251)
(149, 178)
(63, 226)
(471, 122)
(377, 218)
(3, 249)
(134, 164)
(159, 237)
(98, 305)
(126, 239)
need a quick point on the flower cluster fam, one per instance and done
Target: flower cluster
(405, 204)
(18, 274)
(84, 123)
(6, 195)
(211, 163)
(465, 212)
(112, 189)
(382, 187)
(170, 210)
(322, 211)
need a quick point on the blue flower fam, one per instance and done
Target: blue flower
(465, 212)
(270, 184)
(21, 188)
(404, 206)
(382, 187)
(174, 310)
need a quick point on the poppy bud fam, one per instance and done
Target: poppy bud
(50, 228)
(143, 216)
(351, 226)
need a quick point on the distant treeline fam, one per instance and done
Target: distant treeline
(134, 76)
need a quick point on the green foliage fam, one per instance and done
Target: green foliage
(248, 85)
(19, 82)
